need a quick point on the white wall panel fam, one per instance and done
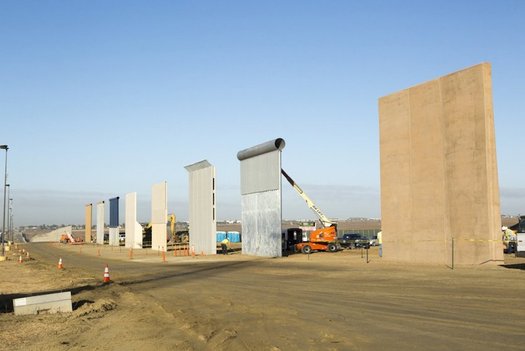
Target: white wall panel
(202, 208)
(114, 237)
(133, 227)
(100, 223)
(159, 215)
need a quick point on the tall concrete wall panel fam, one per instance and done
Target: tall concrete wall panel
(261, 173)
(261, 199)
(89, 222)
(114, 221)
(113, 236)
(114, 212)
(100, 222)
(202, 207)
(133, 227)
(159, 216)
(261, 224)
(438, 171)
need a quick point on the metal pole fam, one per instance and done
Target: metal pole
(5, 147)
(11, 221)
(452, 253)
(8, 233)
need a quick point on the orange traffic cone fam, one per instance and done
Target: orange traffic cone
(20, 259)
(60, 266)
(106, 274)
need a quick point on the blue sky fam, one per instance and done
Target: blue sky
(102, 98)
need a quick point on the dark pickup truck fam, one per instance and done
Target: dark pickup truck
(354, 240)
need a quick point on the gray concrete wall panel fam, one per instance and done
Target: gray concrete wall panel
(159, 216)
(261, 173)
(202, 208)
(48, 303)
(133, 227)
(261, 199)
(258, 167)
(261, 224)
(100, 223)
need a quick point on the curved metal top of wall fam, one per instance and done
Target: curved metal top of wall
(269, 146)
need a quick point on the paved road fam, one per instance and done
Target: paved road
(345, 304)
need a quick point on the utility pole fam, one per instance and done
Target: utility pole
(4, 147)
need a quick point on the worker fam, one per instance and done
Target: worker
(224, 246)
(509, 240)
(380, 243)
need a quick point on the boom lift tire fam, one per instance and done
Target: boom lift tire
(332, 247)
(306, 249)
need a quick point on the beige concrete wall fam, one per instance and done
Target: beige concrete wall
(89, 223)
(439, 179)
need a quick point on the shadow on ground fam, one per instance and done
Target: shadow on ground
(514, 266)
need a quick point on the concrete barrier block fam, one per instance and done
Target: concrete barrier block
(49, 303)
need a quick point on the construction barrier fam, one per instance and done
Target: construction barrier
(106, 274)
(181, 250)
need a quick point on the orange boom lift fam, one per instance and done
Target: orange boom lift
(324, 239)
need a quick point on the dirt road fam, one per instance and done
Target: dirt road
(320, 302)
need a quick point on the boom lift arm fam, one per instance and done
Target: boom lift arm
(326, 222)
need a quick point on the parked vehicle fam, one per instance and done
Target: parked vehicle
(354, 240)
(374, 241)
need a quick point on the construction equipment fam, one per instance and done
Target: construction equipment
(67, 238)
(174, 237)
(324, 239)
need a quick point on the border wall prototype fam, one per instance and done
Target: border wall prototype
(100, 222)
(261, 199)
(89, 223)
(159, 216)
(114, 239)
(133, 227)
(439, 181)
(203, 222)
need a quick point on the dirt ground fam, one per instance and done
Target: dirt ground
(97, 309)
(378, 305)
